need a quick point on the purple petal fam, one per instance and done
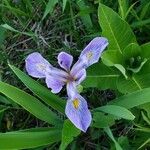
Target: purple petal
(71, 89)
(65, 60)
(55, 83)
(37, 66)
(80, 76)
(79, 65)
(93, 50)
(78, 113)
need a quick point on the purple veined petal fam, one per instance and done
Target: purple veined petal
(80, 76)
(65, 60)
(71, 89)
(58, 72)
(37, 66)
(78, 113)
(79, 65)
(93, 50)
(55, 83)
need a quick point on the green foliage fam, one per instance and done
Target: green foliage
(43, 93)
(69, 131)
(115, 29)
(30, 138)
(109, 133)
(100, 75)
(49, 7)
(30, 103)
(52, 26)
(118, 111)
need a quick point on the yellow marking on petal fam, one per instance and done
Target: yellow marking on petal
(89, 55)
(41, 67)
(76, 103)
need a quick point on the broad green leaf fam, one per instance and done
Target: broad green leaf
(29, 139)
(131, 50)
(134, 83)
(100, 120)
(30, 103)
(133, 59)
(118, 111)
(109, 133)
(42, 92)
(113, 58)
(100, 75)
(145, 48)
(133, 99)
(117, 31)
(49, 7)
(121, 69)
(69, 131)
(8, 27)
(137, 69)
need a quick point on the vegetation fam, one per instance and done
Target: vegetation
(117, 88)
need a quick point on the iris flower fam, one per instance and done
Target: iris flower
(76, 108)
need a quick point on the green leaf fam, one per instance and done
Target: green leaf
(8, 27)
(29, 139)
(133, 58)
(3, 108)
(133, 99)
(117, 31)
(145, 48)
(145, 143)
(145, 10)
(100, 75)
(100, 120)
(134, 83)
(109, 133)
(30, 103)
(4, 100)
(42, 92)
(68, 133)
(2, 35)
(118, 111)
(49, 7)
(131, 50)
(145, 118)
(123, 7)
(113, 58)
(64, 4)
(146, 107)
(84, 14)
(136, 70)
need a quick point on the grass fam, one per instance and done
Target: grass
(52, 32)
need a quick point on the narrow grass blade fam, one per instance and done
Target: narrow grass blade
(30, 103)
(29, 139)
